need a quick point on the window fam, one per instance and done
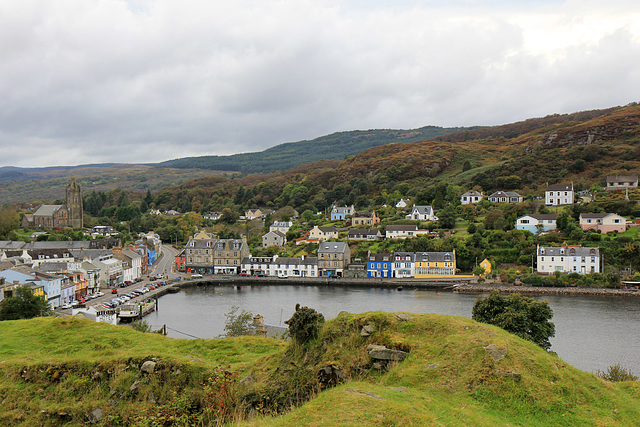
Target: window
(524, 221)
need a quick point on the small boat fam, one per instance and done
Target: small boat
(131, 312)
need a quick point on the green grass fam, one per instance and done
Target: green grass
(72, 366)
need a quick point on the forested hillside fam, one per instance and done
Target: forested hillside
(583, 152)
(336, 146)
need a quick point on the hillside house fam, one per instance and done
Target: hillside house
(322, 234)
(403, 231)
(281, 226)
(559, 194)
(536, 223)
(250, 214)
(568, 259)
(213, 216)
(505, 197)
(471, 197)
(340, 213)
(603, 222)
(622, 182)
(422, 213)
(402, 204)
(274, 238)
(365, 218)
(370, 235)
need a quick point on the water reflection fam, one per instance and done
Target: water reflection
(591, 332)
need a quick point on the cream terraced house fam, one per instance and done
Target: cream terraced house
(568, 259)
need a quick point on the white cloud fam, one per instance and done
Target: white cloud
(142, 81)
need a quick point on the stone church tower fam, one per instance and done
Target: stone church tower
(73, 203)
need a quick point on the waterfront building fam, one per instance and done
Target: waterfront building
(568, 259)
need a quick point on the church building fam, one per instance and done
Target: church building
(52, 216)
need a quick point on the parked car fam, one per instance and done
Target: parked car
(99, 294)
(114, 291)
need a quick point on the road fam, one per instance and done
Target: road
(163, 266)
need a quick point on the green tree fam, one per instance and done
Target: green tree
(9, 220)
(238, 324)
(523, 316)
(447, 217)
(228, 216)
(24, 305)
(305, 324)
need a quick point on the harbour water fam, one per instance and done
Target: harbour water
(592, 332)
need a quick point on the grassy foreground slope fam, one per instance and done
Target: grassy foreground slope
(56, 371)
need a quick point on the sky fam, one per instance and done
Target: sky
(139, 81)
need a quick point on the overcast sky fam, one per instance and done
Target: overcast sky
(94, 81)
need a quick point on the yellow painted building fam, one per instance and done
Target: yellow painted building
(37, 289)
(486, 264)
(435, 264)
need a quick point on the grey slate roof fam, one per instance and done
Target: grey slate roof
(47, 210)
(332, 247)
(328, 229)
(622, 178)
(423, 210)
(542, 217)
(560, 187)
(380, 257)
(401, 227)
(11, 245)
(568, 251)
(434, 256)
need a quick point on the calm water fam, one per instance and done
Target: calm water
(591, 332)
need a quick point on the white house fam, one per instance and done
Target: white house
(559, 194)
(422, 213)
(401, 204)
(280, 266)
(568, 259)
(536, 223)
(281, 226)
(471, 197)
(322, 234)
(403, 264)
(505, 197)
(403, 231)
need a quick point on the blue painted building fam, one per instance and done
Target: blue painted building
(379, 265)
(536, 223)
(339, 213)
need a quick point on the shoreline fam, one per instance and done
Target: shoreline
(400, 284)
(538, 290)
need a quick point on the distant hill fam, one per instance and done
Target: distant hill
(582, 147)
(578, 148)
(336, 146)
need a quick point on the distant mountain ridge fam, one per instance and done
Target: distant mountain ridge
(335, 146)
